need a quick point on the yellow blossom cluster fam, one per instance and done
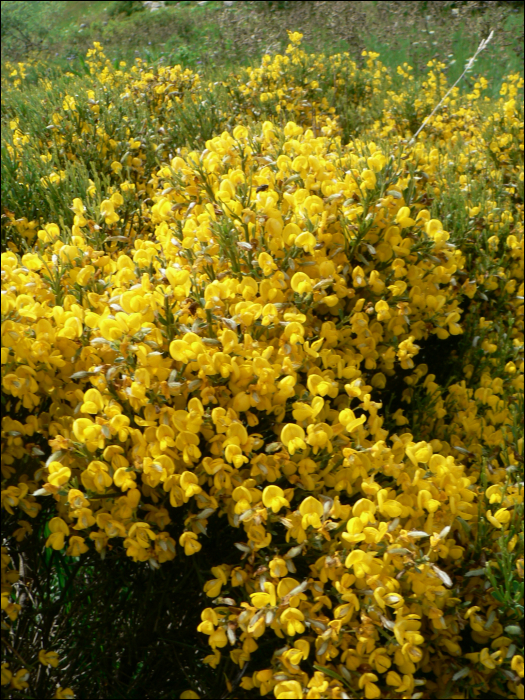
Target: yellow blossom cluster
(254, 332)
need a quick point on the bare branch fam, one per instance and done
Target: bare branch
(470, 63)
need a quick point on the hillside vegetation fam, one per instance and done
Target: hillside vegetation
(218, 35)
(262, 369)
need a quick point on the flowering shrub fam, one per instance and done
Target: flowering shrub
(313, 346)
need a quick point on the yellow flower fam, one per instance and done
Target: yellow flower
(369, 180)
(288, 690)
(301, 283)
(209, 621)
(322, 385)
(181, 350)
(402, 685)
(319, 437)
(6, 674)
(48, 658)
(355, 527)
(96, 477)
(189, 484)
(361, 562)
(303, 411)
(294, 37)
(273, 497)
(190, 542)
(380, 660)
(290, 283)
(89, 433)
(85, 275)
(124, 479)
(517, 665)
(486, 658)
(307, 242)
(350, 422)
(59, 530)
(425, 500)
(213, 587)
(218, 638)
(292, 622)
(93, 402)
(278, 567)
(19, 680)
(289, 589)
(303, 648)
(77, 546)
(367, 681)
(24, 530)
(107, 210)
(292, 436)
(261, 599)
(403, 219)
(311, 510)
(501, 517)
(420, 452)
(266, 263)
(214, 659)
(11, 496)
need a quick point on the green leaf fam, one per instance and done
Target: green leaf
(464, 525)
(330, 673)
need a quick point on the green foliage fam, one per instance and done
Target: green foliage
(218, 35)
(26, 26)
(125, 7)
(80, 607)
(81, 610)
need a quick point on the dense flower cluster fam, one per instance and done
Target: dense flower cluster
(260, 345)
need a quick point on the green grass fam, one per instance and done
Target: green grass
(212, 37)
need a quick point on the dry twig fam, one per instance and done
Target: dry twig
(468, 67)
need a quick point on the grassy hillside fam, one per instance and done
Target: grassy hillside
(214, 35)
